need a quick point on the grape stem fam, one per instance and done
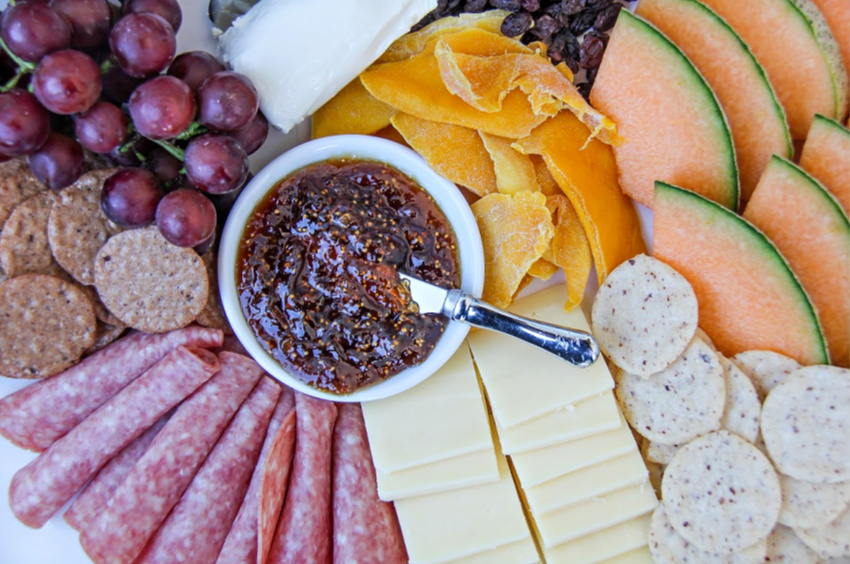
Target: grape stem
(24, 67)
(176, 152)
(195, 128)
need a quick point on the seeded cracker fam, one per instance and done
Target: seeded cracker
(742, 410)
(807, 505)
(721, 493)
(23, 242)
(78, 228)
(644, 315)
(45, 326)
(213, 314)
(148, 283)
(832, 540)
(805, 423)
(17, 183)
(103, 315)
(766, 369)
(657, 452)
(683, 401)
(785, 547)
(104, 335)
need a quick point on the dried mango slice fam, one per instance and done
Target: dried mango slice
(392, 134)
(514, 171)
(569, 248)
(543, 268)
(515, 231)
(352, 110)
(455, 152)
(586, 172)
(545, 180)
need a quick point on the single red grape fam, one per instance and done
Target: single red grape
(194, 67)
(32, 30)
(162, 108)
(143, 44)
(59, 162)
(164, 165)
(117, 84)
(24, 123)
(186, 218)
(128, 154)
(169, 10)
(90, 21)
(130, 197)
(227, 101)
(101, 128)
(216, 163)
(253, 135)
(67, 82)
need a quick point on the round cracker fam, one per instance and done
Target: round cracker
(657, 452)
(805, 422)
(669, 547)
(680, 403)
(807, 505)
(104, 335)
(721, 493)
(17, 183)
(78, 228)
(785, 547)
(148, 283)
(23, 243)
(832, 540)
(45, 326)
(644, 315)
(766, 369)
(102, 314)
(213, 313)
(742, 410)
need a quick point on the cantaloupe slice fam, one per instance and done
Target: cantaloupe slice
(812, 232)
(837, 16)
(826, 156)
(792, 41)
(670, 120)
(749, 299)
(756, 118)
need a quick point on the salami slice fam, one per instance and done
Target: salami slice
(41, 487)
(154, 486)
(36, 416)
(260, 510)
(94, 497)
(215, 494)
(366, 529)
(304, 530)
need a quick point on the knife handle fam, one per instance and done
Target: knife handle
(574, 346)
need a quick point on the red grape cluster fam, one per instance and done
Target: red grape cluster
(85, 75)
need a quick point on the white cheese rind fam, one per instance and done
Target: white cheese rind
(462, 471)
(607, 543)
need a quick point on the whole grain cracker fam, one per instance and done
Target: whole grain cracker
(742, 410)
(805, 422)
(23, 243)
(148, 283)
(644, 315)
(213, 313)
(721, 493)
(102, 314)
(766, 369)
(45, 326)
(78, 228)
(785, 547)
(17, 183)
(832, 540)
(807, 505)
(104, 335)
(683, 401)
(669, 547)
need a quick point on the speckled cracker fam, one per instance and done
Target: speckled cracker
(45, 326)
(683, 401)
(657, 452)
(766, 369)
(807, 505)
(644, 315)
(669, 547)
(148, 283)
(17, 183)
(742, 410)
(23, 242)
(785, 547)
(831, 541)
(213, 314)
(805, 422)
(78, 228)
(721, 493)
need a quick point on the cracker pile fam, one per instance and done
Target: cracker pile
(71, 281)
(750, 455)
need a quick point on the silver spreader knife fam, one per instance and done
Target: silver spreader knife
(576, 347)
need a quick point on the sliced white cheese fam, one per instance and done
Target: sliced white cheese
(459, 472)
(465, 522)
(637, 556)
(299, 53)
(523, 382)
(537, 466)
(594, 514)
(570, 422)
(586, 483)
(520, 552)
(607, 543)
(441, 418)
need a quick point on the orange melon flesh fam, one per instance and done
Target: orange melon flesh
(672, 126)
(837, 16)
(748, 297)
(787, 44)
(826, 156)
(756, 118)
(812, 232)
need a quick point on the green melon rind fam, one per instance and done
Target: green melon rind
(823, 121)
(816, 186)
(761, 242)
(700, 86)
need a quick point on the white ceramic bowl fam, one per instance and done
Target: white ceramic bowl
(448, 198)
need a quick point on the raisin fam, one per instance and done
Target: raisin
(590, 75)
(516, 24)
(556, 11)
(447, 7)
(510, 5)
(530, 5)
(598, 4)
(474, 5)
(592, 49)
(572, 64)
(572, 7)
(582, 22)
(545, 26)
(606, 18)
